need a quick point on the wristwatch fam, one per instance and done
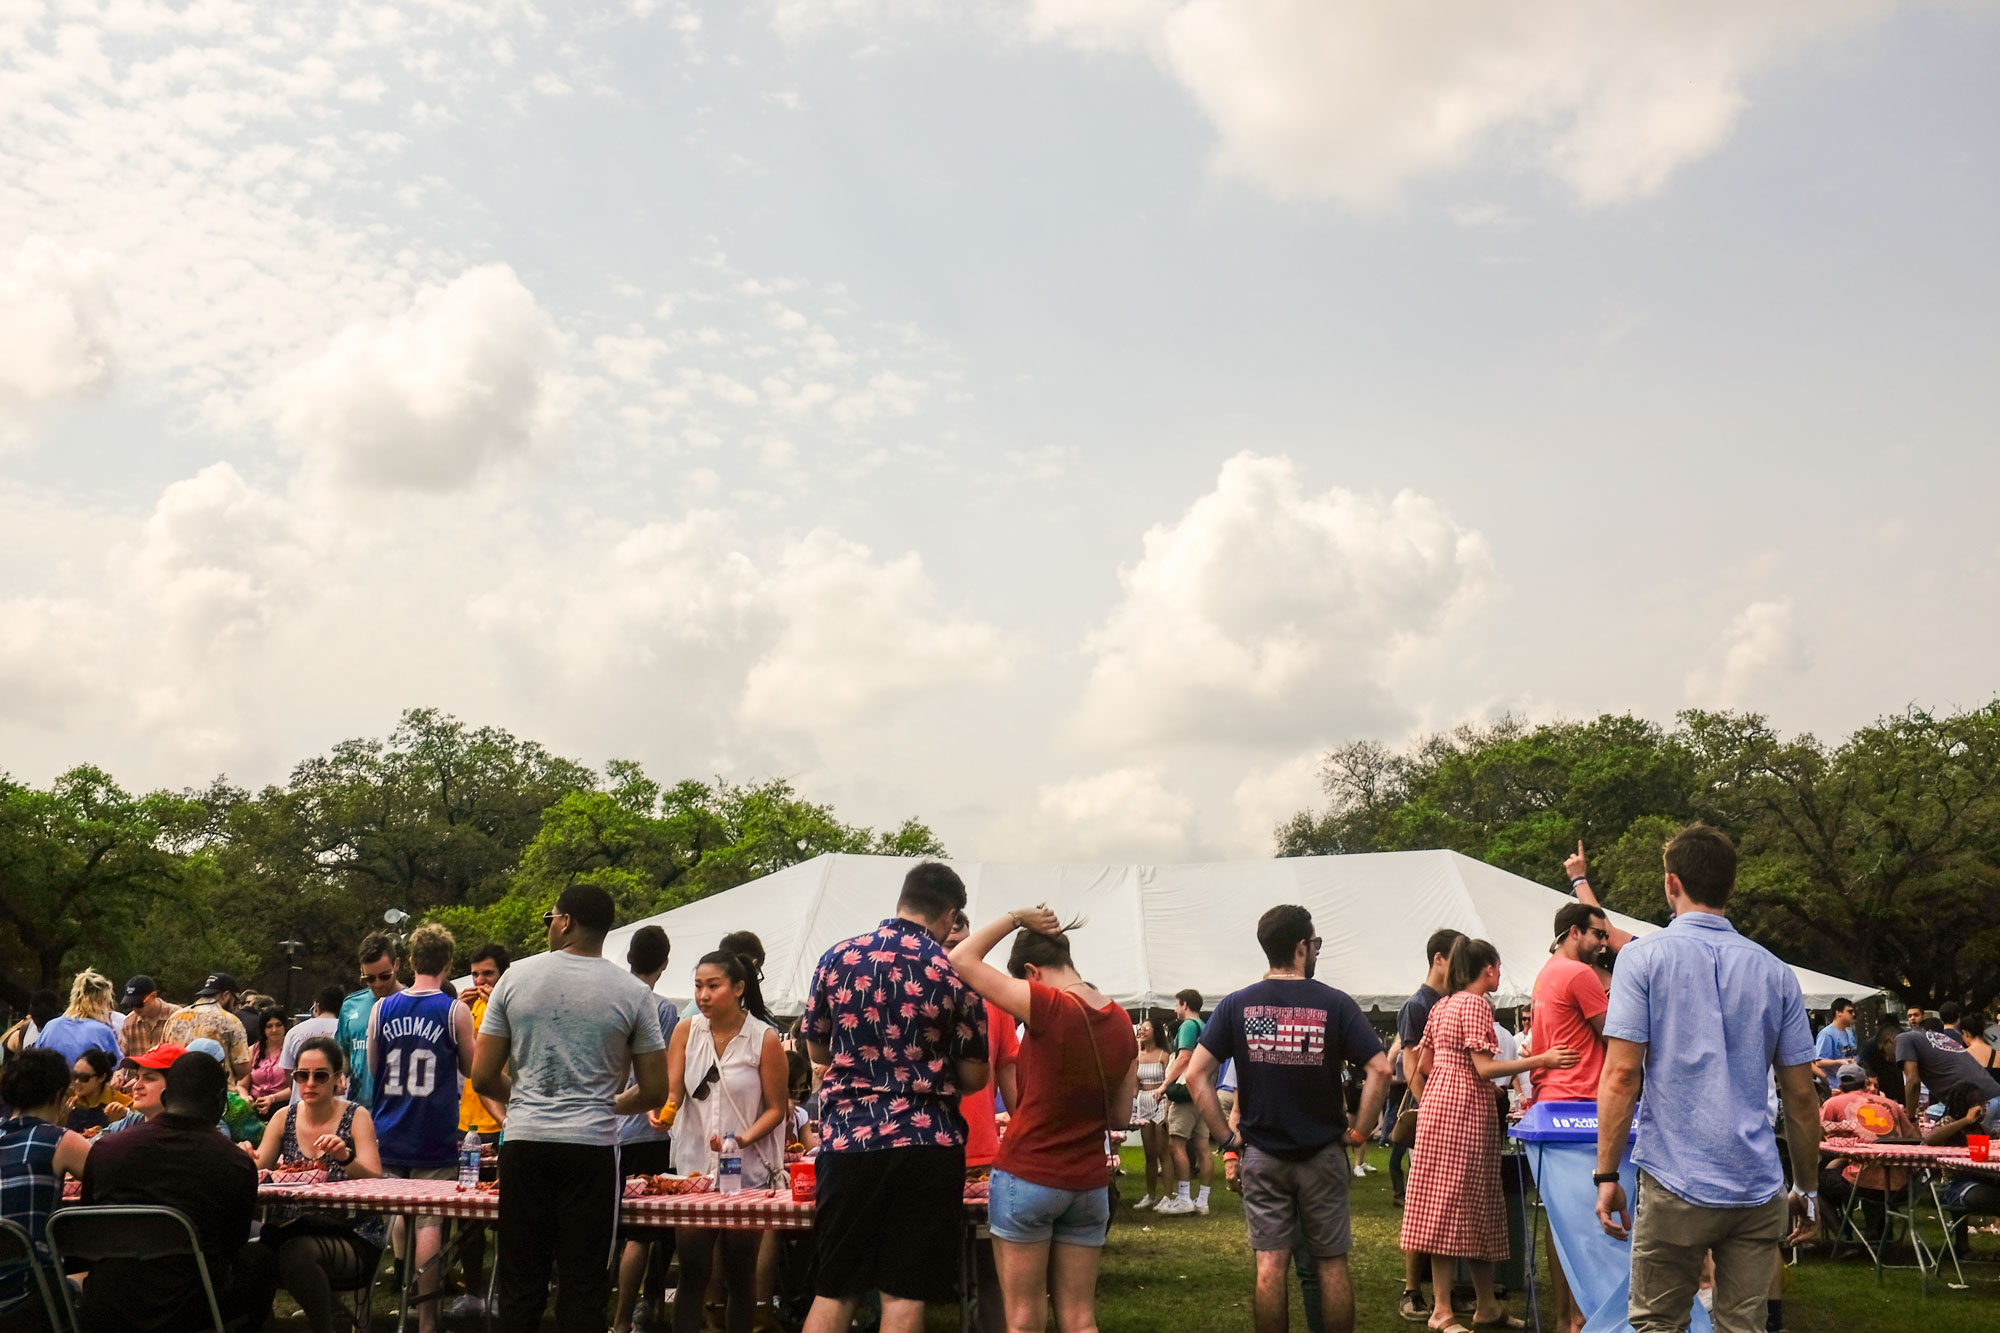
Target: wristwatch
(1604, 1177)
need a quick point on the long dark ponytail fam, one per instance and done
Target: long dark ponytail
(1468, 959)
(740, 969)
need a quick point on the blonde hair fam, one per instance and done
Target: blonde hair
(90, 996)
(431, 949)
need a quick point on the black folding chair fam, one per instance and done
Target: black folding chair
(90, 1235)
(17, 1249)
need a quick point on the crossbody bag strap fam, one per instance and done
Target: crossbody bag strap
(1103, 1085)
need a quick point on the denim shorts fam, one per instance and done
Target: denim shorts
(1024, 1213)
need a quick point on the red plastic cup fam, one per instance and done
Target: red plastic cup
(1978, 1146)
(805, 1179)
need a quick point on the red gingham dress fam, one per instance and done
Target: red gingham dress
(1452, 1205)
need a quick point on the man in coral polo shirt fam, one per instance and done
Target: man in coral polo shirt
(1569, 1011)
(1570, 1003)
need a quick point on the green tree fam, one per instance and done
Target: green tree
(654, 848)
(437, 815)
(83, 866)
(1878, 858)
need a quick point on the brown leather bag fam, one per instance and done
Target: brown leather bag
(1403, 1134)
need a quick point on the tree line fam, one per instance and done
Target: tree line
(470, 826)
(1876, 858)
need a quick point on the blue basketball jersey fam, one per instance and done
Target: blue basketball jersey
(416, 1081)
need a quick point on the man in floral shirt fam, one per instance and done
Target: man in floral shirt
(902, 1037)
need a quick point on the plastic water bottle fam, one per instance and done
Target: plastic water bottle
(729, 1176)
(468, 1161)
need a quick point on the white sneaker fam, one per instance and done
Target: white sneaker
(1145, 1202)
(1173, 1206)
(1201, 1206)
(1360, 1171)
(1367, 1170)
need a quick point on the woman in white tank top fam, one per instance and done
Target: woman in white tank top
(726, 1073)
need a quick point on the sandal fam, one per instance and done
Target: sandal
(1504, 1321)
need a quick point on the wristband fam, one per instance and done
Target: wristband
(1580, 879)
(1604, 1177)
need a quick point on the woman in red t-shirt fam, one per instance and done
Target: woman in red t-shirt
(1048, 1207)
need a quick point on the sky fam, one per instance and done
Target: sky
(1058, 420)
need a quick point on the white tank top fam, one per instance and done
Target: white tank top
(729, 1106)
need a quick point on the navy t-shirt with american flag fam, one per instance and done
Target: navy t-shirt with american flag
(896, 1019)
(1289, 1038)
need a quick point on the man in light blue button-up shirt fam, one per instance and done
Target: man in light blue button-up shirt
(1699, 1018)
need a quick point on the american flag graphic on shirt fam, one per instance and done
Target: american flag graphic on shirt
(1283, 1035)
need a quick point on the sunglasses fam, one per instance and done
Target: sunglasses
(549, 917)
(312, 1076)
(83, 1077)
(708, 1080)
(1315, 942)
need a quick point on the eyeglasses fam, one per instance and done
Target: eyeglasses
(708, 1080)
(312, 1076)
(1315, 942)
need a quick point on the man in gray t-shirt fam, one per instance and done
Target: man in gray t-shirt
(572, 1027)
(1942, 1064)
(325, 1019)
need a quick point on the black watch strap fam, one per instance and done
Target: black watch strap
(1604, 1178)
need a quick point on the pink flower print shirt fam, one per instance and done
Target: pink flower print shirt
(897, 1019)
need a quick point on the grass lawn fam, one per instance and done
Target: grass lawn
(1194, 1273)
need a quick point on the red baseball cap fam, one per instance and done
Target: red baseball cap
(158, 1058)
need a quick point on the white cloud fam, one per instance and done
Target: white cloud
(857, 636)
(1266, 797)
(1761, 651)
(57, 321)
(1357, 101)
(1264, 613)
(428, 398)
(1121, 814)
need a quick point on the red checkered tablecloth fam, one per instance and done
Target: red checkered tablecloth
(1955, 1160)
(413, 1198)
(774, 1210)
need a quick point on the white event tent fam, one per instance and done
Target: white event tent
(1157, 929)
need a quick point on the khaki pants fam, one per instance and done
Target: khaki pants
(1669, 1238)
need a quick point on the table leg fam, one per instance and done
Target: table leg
(968, 1277)
(1950, 1240)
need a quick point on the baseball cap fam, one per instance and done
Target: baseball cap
(137, 989)
(1849, 1077)
(217, 983)
(207, 1046)
(158, 1058)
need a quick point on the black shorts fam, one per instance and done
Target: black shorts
(649, 1157)
(891, 1221)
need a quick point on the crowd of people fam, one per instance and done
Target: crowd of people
(917, 1065)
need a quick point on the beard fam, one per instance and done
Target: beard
(1312, 965)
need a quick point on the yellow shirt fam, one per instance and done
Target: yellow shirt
(472, 1113)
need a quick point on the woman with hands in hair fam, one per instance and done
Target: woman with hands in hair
(1049, 1206)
